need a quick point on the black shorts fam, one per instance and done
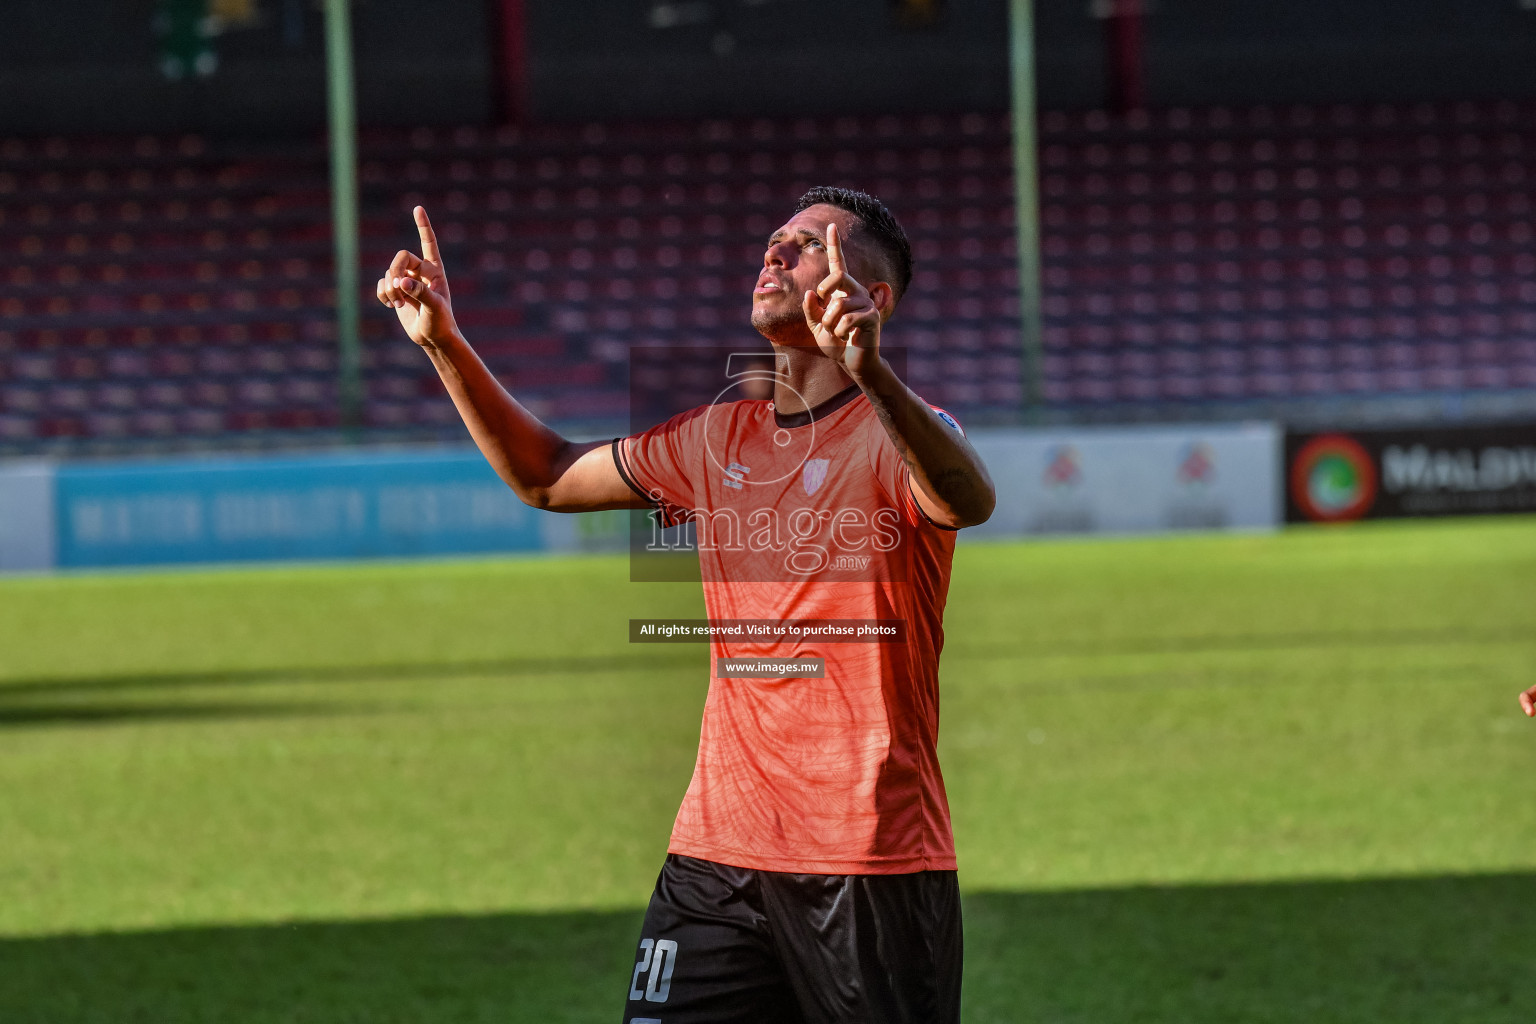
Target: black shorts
(726, 945)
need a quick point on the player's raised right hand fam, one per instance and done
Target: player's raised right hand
(416, 288)
(1528, 702)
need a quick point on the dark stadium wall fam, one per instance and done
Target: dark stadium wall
(687, 57)
(1317, 51)
(85, 66)
(690, 58)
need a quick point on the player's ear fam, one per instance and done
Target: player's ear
(884, 298)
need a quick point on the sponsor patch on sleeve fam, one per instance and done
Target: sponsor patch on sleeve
(949, 420)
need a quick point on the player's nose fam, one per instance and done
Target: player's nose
(776, 256)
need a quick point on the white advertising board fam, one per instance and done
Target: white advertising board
(27, 539)
(1132, 479)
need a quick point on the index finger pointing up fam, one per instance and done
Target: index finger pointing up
(428, 237)
(834, 250)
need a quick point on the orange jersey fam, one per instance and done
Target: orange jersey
(809, 518)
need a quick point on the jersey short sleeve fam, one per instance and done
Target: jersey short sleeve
(895, 477)
(664, 463)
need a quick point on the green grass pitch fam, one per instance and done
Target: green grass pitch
(1195, 780)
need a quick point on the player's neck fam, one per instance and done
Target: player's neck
(809, 379)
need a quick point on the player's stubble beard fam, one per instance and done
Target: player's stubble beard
(790, 336)
(782, 326)
(800, 359)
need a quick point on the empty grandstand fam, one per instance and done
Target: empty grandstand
(1370, 262)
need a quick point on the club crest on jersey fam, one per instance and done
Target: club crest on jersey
(813, 474)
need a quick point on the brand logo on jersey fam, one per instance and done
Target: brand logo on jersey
(950, 421)
(735, 475)
(813, 474)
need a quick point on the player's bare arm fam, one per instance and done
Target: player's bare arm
(545, 469)
(949, 480)
(1528, 702)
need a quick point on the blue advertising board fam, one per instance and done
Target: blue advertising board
(331, 506)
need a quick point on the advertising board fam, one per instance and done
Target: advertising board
(333, 506)
(26, 516)
(1337, 476)
(369, 504)
(1132, 479)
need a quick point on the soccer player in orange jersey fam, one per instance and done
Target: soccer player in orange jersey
(811, 872)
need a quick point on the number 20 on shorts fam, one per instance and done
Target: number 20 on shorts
(657, 958)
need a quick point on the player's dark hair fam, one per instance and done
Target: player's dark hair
(881, 225)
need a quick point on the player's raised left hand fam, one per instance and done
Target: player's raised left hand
(1528, 702)
(416, 288)
(841, 314)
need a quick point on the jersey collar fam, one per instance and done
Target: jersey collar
(825, 409)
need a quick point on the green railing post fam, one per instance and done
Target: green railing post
(1026, 198)
(344, 218)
